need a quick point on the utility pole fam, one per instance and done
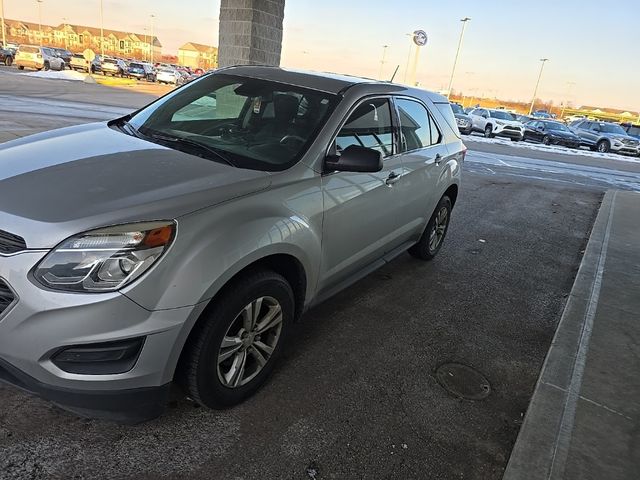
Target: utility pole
(455, 61)
(384, 54)
(4, 37)
(153, 36)
(101, 30)
(535, 92)
(40, 19)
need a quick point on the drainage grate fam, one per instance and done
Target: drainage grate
(463, 381)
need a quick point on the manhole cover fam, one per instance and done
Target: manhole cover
(463, 381)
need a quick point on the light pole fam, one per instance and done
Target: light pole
(406, 68)
(153, 36)
(384, 54)
(535, 92)
(146, 42)
(4, 38)
(66, 34)
(455, 61)
(101, 30)
(40, 19)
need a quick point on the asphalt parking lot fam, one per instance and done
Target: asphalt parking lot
(356, 394)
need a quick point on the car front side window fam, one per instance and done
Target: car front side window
(368, 126)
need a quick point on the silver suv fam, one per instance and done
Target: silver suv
(604, 137)
(181, 242)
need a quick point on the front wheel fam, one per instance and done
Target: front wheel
(433, 236)
(546, 140)
(234, 348)
(46, 66)
(8, 61)
(487, 131)
(20, 67)
(603, 146)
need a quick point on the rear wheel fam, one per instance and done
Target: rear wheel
(47, 66)
(433, 236)
(235, 346)
(8, 61)
(20, 67)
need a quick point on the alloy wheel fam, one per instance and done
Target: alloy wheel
(439, 229)
(249, 342)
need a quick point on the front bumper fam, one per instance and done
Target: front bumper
(625, 149)
(500, 131)
(40, 322)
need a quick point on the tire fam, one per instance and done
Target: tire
(426, 249)
(546, 140)
(211, 382)
(47, 66)
(516, 139)
(603, 146)
(487, 131)
(20, 67)
(8, 61)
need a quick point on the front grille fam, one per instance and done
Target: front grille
(629, 142)
(10, 243)
(509, 127)
(6, 296)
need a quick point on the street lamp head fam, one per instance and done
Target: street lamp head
(544, 60)
(465, 19)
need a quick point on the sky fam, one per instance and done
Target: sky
(592, 45)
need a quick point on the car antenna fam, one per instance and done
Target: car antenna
(394, 73)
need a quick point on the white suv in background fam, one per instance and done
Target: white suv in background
(31, 56)
(496, 123)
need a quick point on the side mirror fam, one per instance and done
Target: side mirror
(355, 159)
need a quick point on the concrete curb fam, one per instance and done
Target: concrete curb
(543, 442)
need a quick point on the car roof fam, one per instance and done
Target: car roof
(321, 81)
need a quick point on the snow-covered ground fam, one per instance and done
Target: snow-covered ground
(63, 75)
(550, 148)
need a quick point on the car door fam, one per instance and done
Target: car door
(424, 156)
(361, 209)
(584, 131)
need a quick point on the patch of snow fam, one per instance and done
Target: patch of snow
(71, 75)
(551, 148)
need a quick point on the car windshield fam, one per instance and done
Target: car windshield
(135, 65)
(501, 115)
(612, 128)
(556, 126)
(456, 108)
(248, 122)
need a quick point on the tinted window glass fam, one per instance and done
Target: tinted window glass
(435, 132)
(415, 124)
(368, 126)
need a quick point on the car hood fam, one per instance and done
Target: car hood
(463, 116)
(60, 183)
(561, 134)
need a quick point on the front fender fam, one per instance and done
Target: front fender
(215, 244)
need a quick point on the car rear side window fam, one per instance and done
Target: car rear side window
(368, 126)
(417, 128)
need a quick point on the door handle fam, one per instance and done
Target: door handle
(438, 158)
(392, 178)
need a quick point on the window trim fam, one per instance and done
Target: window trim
(399, 125)
(331, 149)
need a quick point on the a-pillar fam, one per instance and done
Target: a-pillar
(250, 32)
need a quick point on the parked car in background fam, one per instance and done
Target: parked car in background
(39, 58)
(522, 118)
(136, 70)
(465, 124)
(81, 64)
(573, 118)
(632, 130)
(117, 286)
(64, 55)
(170, 76)
(541, 114)
(6, 56)
(550, 132)
(114, 67)
(496, 123)
(605, 137)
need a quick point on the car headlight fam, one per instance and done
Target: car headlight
(105, 260)
(498, 122)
